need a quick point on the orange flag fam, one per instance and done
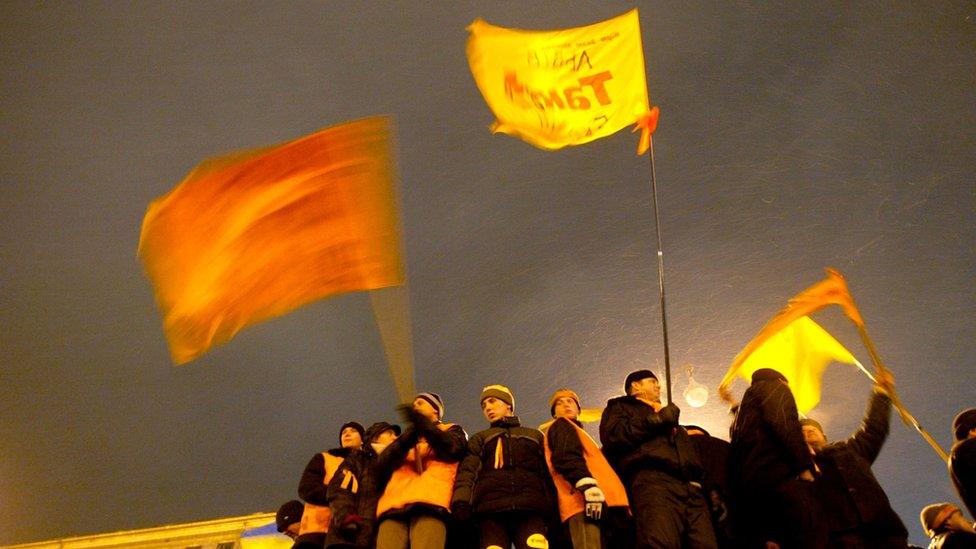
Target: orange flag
(254, 235)
(830, 291)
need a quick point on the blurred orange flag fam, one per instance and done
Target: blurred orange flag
(254, 235)
(830, 291)
(563, 87)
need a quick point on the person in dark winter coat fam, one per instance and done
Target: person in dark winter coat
(944, 523)
(353, 491)
(589, 492)
(289, 518)
(962, 458)
(714, 455)
(314, 485)
(503, 484)
(856, 508)
(658, 463)
(417, 474)
(770, 470)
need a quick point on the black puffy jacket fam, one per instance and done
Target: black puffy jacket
(505, 470)
(635, 437)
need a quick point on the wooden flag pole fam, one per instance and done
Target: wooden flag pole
(660, 272)
(907, 417)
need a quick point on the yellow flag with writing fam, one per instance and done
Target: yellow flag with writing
(563, 87)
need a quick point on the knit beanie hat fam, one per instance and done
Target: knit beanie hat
(288, 514)
(965, 421)
(500, 392)
(933, 517)
(807, 421)
(767, 374)
(355, 425)
(434, 400)
(639, 375)
(560, 394)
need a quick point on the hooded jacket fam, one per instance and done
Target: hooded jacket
(767, 444)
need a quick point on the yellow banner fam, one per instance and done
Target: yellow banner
(564, 87)
(829, 291)
(254, 235)
(801, 351)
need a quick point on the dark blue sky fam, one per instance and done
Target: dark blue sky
(792, 137)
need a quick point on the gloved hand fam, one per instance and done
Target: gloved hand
(350, 526)
(669, 414)
(461, 511)
(414, 419)
(593, 496)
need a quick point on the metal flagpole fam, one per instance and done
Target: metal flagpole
(906, 416)
(660, 272)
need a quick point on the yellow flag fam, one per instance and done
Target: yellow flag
(564, 87)
(800, 351)
(586, 415)
(254, 235)
(829, 291)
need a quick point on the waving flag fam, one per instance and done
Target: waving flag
(800, 351)
(830, 291)
(254, 235)
(564, 87)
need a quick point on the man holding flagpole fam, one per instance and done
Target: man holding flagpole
(856, 508)
(657, 461)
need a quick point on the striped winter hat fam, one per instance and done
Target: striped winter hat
(434, 400)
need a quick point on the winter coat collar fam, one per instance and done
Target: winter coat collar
(506, 422)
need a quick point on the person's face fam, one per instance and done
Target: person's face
(385, 437)
(350, 438)
(494, 409)
(814, 437)
(566, 407)
(292, 530)
(647, 388)
(972, 433)
(425, 409)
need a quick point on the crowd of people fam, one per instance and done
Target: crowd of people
(651, 482)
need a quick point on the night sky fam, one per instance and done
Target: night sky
(792, 137)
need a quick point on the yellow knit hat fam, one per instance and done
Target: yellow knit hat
(560, 394)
